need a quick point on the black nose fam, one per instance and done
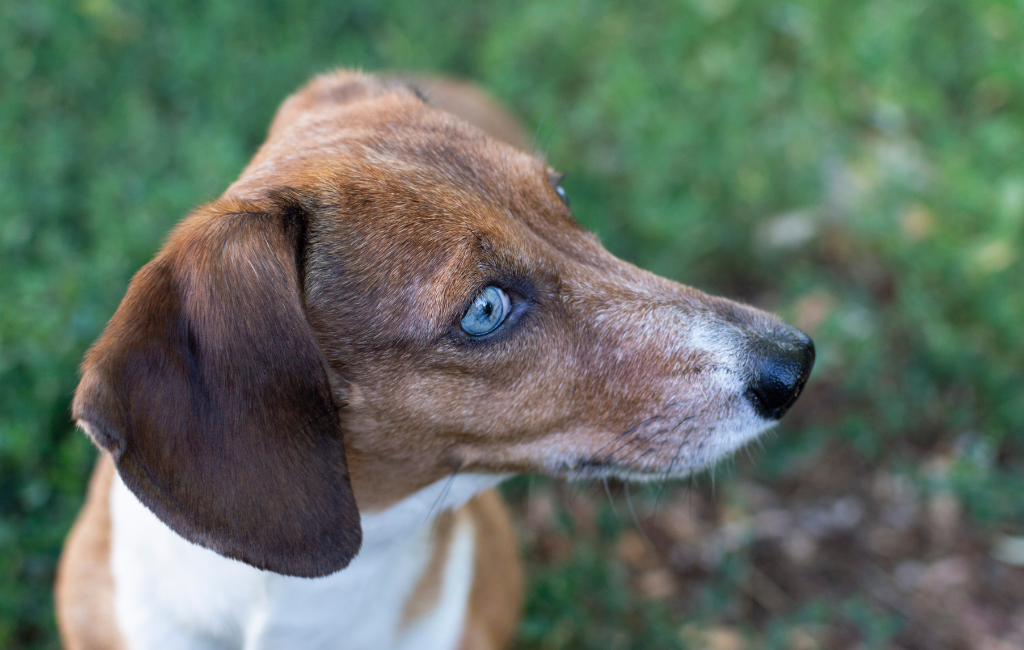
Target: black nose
(779, 366)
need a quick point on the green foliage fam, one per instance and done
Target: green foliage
(853, 165)
(587, 604)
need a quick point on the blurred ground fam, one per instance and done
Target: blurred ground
(854, 166)
(844, 556)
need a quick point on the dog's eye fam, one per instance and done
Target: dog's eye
(487, 312)
(556, 182)
(561, 195)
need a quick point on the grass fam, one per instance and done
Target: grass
(854, 166)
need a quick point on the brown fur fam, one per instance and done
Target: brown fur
(84, 592)
(470, 104)
(497, 595)
(201, 421)
(300, 337)
(428, 589)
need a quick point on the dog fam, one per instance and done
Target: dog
(305, 401)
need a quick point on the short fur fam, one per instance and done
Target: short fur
(295, 350)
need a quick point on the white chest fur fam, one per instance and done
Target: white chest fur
(171, 594)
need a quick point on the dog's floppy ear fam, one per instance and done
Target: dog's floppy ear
(211, 394)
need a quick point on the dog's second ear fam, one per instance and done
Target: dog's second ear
(211, 394)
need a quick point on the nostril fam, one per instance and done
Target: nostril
(779, 367)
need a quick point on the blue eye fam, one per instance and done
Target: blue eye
(562, 195)
(488, 311)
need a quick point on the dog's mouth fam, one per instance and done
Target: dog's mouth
(603, 469)
(674, 455)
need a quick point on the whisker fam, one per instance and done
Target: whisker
(444, 493)
(675, 457)
(636, 520)
(689, 493)
(750, 456)
(630, 430)
(575, 488)
(668, 470)
(529, 498)
(608, 491)
(533, 147)
(622, 437)
(679, 449)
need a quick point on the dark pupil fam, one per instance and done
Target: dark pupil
(488, 308)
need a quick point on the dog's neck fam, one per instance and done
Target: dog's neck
(406, 517)
(171, 593)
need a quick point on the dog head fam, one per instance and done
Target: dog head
(386, 296)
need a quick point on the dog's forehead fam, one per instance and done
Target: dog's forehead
(395, 161)
(391, 129)
(386, 146)
(432, 152)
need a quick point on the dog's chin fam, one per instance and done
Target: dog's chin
(718, 445)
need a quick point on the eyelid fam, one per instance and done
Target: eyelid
(555, 178)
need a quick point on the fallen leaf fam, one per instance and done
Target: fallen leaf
(656, 584)
(800, 548)
(946, 574)
(723, 638)
(633, 550)
(716, 638)
(801, 637)
(679, 523)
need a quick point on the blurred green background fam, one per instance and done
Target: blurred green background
(855, 166)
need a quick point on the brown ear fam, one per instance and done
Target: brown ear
(209, 391)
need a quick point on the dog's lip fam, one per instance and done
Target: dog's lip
(601, 468)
